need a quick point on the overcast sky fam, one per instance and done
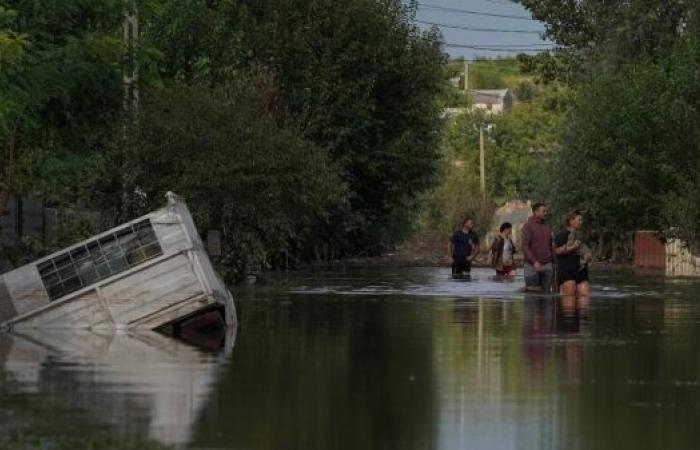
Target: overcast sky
(445, 12)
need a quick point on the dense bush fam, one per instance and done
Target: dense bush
(262, 185)
(301, 129)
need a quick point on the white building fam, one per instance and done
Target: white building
(492, 101)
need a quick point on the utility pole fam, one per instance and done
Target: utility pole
(131, 69)
(466, 76)
(482, 165)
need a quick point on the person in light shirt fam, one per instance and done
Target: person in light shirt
(503, 251)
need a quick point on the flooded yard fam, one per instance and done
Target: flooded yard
(378, 359)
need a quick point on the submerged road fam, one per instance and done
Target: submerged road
(380, 359)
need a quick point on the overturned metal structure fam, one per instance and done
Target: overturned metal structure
(150, 273)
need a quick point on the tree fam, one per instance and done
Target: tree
(60, 87)
(630, 149)
(522, 143)
(633, 27)
(361, 79)
(596, 30)
(263, 186)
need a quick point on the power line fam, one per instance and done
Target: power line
(491, 30)
(545, 46)
(499, 49)
(508, 60)
(476, 13)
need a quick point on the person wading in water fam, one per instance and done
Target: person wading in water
(462, 248)
(573, 258)
(537, 251)
(502, 251)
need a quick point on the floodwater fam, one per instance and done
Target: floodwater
(378, 359)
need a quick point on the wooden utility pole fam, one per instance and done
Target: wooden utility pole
(131, 69)
(482, 165)
(466, 76)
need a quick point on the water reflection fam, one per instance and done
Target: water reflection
(361, 360)
(56, 386)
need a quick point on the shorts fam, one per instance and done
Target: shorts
(506, 270)
(579, 276)
(460, 265)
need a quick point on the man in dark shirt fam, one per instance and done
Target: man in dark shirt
(463, 247)
(537, 250)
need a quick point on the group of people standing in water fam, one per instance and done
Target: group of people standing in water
(551, 262)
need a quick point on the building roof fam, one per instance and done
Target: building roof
(488, 95)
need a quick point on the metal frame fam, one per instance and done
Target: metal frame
(99, 258)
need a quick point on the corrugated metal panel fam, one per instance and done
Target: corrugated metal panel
(171, 234)
(649, 251)
(85, 311)
(203, 265)
(679, 260)
(26, 289)
(154, 288)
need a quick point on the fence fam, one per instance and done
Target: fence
(670, 256)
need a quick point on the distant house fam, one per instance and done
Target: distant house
(492, 101)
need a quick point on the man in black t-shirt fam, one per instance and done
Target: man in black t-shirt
(462, 248)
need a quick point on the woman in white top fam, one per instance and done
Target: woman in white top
(502, 251)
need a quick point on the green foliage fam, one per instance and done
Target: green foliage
(196, 40)
(563, 65)
(633, 27)
(307, 128)
(456, 197)
(370, 101)
(263, 186)
(630, 152)
(485, 75)
(62, 88)
(517, 149)
(522, 142)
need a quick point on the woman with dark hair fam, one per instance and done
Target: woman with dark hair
(573, 257)
(502, 251)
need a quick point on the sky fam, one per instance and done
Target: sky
(493, 43)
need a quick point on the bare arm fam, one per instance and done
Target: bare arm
(475, 251)
(566, 249)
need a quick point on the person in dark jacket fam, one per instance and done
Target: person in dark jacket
(537, 251)
(462, 248)
(502, 251)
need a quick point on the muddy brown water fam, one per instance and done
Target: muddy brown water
(378, 359)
